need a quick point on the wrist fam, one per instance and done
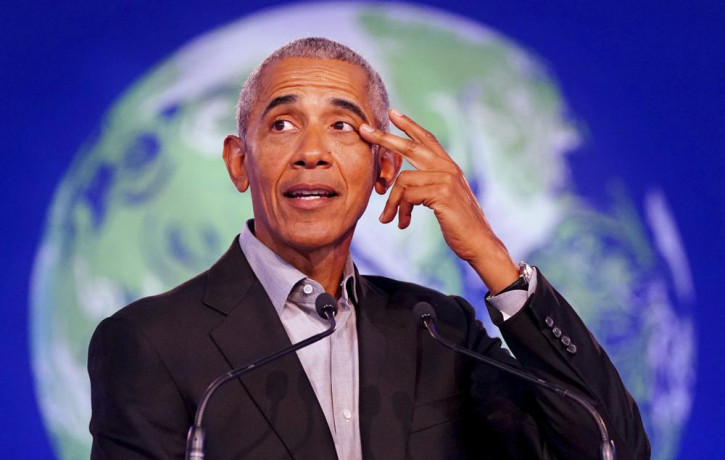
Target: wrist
(497, 273)
(501, 278)
(493, 264)
(522, 282)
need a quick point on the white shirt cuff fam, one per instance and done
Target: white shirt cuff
(509, 303)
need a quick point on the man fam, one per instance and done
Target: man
(312, 145)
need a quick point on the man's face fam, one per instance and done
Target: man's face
(309, 171)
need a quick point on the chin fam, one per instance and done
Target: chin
(309, 237)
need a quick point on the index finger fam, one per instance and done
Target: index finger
(416, 153)
(418, 133)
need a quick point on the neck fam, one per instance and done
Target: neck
(324, 264)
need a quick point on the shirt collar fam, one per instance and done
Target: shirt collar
(277, 276)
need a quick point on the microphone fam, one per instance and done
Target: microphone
(426, 319)
(326, 307)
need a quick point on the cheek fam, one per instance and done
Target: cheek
(359, 168)
(263, 174)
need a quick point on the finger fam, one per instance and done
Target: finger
(416, 153)
(411, 197)
(405, 212)
(409, 179)
(397, 204)
(391, 205)
(417, 133)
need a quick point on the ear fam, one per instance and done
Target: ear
(234, 154)
(388, 167)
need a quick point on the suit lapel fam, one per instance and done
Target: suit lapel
(387, 337)
(251, 330)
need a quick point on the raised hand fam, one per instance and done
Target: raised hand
(439, 184)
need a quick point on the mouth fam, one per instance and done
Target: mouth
(310, 192)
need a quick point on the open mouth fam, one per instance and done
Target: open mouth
(304, 193)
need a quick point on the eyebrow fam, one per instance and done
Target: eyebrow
(280, 100)
(341, 103)
(351, 106)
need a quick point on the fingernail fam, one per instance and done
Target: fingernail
(396, 113)
(367, 128)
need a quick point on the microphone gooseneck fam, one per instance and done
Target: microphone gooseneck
(326, 307)
(426, 317)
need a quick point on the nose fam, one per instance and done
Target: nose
(313, 150)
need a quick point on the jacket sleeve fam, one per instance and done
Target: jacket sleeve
(138, 412)
(550, 341)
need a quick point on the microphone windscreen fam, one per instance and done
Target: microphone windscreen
(325, 302)
(422, 310)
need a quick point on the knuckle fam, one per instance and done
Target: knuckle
(413, 147)
(450, 177)
(404, 177)
(430, 137)
(445, 191)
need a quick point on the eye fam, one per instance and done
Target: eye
(342, 126)
(282, 125)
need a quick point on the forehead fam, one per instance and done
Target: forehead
(307, 75)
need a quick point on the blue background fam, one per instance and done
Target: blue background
(647, 78)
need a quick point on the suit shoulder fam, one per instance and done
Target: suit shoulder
(392, 286)
(168, 323)
(172, 302)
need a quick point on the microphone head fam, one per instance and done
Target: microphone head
(325, 303)
(423, 311)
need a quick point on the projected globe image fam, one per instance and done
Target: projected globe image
(147, 202)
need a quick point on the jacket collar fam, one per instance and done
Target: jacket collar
(251, 330)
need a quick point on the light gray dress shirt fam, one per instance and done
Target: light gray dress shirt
(331, 365)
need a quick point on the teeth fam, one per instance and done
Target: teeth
(310, 194)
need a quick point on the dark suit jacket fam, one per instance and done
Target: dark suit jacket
(150, 363)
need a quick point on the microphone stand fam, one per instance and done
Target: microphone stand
(427, 318)
(196, 436)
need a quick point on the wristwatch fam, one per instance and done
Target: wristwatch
(522, 282)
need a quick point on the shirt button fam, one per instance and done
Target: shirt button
(347, 414)
(557, 332)
(571, 348)
(566, 340)
(549, 321)
(307, 289)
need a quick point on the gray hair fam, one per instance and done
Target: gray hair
(315, 48)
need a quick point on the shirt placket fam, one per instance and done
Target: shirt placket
(344, 385)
